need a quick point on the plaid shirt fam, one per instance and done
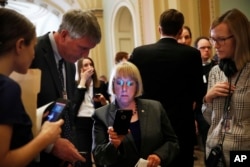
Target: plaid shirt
(239, 136)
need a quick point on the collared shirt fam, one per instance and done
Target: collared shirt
(207, 62)
(168, 37)
(87, 107)
(57, 56)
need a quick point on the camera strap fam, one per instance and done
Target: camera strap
(227, 107)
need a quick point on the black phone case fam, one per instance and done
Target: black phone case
(122, 121)
(56, 110)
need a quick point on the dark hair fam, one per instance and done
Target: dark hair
(171, 22)
(14, 26)
(120, 56)
(198, 39)
(189, 30)
(96, 82)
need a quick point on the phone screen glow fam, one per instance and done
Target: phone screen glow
(56, 111)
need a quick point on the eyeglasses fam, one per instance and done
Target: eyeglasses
(122, 82)
(220, 41)
(205, 47)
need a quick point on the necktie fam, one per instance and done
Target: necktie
(66, 133)
(60, 66)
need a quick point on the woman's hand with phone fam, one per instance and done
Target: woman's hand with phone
(98, 97)
(114, 138)
(51, 131)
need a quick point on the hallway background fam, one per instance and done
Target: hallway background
(125, 24)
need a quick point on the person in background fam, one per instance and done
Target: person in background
(17, 145)
(203, 44)
(181, 67)
(103, 78)
(150, 136)
(186, 36)
(93, 94)
(55, 55)
(227, 100)
(120, 56)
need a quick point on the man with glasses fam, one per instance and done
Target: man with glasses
(203, 44)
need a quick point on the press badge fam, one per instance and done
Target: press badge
(228, 125)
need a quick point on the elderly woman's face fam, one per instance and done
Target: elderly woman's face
(124, 89)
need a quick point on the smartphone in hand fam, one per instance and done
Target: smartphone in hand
(97, 95)
(122, 121)
(56, 110)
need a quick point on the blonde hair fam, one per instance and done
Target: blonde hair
(126, 69)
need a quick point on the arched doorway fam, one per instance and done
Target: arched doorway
(123, 31)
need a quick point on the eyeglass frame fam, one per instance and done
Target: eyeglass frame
(220, 41)
(205, 47)
(121, 82)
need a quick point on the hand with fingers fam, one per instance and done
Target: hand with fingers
(219, 89)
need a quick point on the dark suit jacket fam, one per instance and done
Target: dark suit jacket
(80, 94)
(172, 74)
(50, 81)
(157, 136)
(51, 88)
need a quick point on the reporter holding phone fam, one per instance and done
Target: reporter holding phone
(18, 147)
(91, 94)
(150, 135)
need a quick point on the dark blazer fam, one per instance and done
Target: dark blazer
(80, 94)
(157, 136)
(51, 88)
(50, 81)
(172, 74)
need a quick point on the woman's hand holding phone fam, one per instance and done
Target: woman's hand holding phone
(98, 97)
(114, 138)
(51, 131)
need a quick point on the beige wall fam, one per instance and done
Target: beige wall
(126, 24)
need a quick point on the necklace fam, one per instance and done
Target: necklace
(134, 112)
(135, 109)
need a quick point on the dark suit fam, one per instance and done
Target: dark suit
(84, 125)
(157, 136)
(172, 74)
(80, 93)
(51, 88)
